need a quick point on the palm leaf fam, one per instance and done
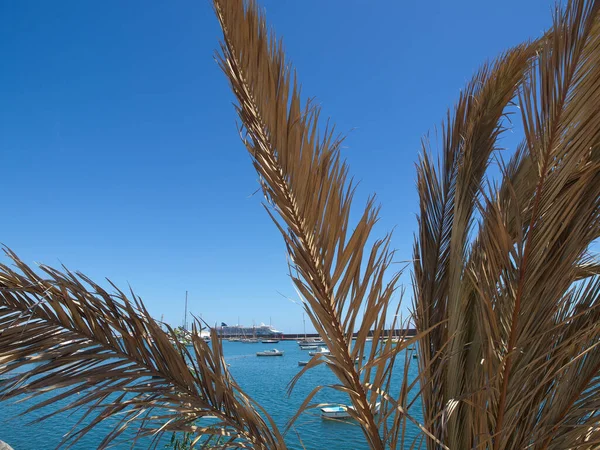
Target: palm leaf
(519, 290)
(448, 202)
(342, 280)
(103, 351)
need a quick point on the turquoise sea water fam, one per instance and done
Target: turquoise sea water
(264, 379)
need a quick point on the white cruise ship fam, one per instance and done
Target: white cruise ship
(241, 331)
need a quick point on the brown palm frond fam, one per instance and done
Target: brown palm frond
(344, 282)
(561, 115)
(448, 203)
(520, 292)
(104, 352)
(506, 286)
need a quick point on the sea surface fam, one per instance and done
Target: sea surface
(264, 379)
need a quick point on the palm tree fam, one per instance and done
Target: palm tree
(505, 287)
(505, 265)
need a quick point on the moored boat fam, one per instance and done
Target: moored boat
(270, 341)
(335, 412)
(310, 341)
(308, 347)
(322, 351)
(273, 352)
(342, 411)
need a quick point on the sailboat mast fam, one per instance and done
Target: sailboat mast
(185, 314)
(304, 322)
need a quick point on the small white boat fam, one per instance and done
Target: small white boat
(249, 341)
(311, 341)
(342, 411)
(273, 352)
(270, 341)
(308, 347)
(302, 363)
(335, 412)
(322, 351)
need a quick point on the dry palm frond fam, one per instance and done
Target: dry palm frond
(448, 202)
(104, 352)
(309, 197)
(519, 292)
(506, 290)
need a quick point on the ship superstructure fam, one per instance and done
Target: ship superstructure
(242, 331)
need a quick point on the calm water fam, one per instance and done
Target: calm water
(264, 379)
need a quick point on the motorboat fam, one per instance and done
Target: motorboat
(322, 351)
(273, 352)
(270, 341)
(336, 412)
(308, 347)
(302, 363)
(342, 411)
(310, 341)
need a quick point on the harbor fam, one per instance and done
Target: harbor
(264, 332)
(264, 379)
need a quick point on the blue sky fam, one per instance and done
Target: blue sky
(119, 151)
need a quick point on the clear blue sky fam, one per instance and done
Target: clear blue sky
(119, 150)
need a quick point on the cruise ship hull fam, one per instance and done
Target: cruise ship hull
(263, 331)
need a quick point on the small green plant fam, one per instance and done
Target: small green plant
(187, 441)
(181, 441)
